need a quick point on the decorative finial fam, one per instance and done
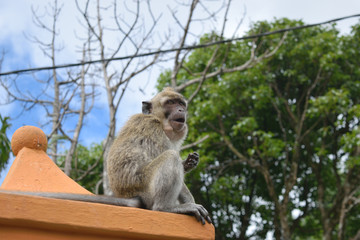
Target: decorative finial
(30, 137)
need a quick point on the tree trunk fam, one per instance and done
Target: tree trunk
(285, 230)
(79, 125)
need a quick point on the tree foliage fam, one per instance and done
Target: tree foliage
(283, 155)
(5, 148)
(87, 167)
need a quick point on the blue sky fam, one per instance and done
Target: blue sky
(16, 24)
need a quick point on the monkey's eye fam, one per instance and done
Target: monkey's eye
(170, 101)
(182, 103)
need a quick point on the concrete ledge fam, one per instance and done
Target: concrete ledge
(29, 217)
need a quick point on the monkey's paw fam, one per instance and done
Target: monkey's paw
(191, 161)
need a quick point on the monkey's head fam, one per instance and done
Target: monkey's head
(171, 108)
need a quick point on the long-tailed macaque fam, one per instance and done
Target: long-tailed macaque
(144, 165)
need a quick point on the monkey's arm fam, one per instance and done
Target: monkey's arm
(130, 202)
(191, 162)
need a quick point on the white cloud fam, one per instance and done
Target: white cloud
(14, 18)
(308, 10)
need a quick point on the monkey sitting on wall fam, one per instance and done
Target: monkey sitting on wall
(144, 164)
(144, 159)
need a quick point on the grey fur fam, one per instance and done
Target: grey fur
(144, 160)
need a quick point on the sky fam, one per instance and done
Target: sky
(17, 29)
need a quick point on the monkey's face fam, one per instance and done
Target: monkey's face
(175, 113)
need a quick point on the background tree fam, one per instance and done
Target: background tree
(87, 167)
(5, 148)
(282, 152)
(61, 96)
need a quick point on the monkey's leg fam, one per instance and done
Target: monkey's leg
(164, 176)
(166, 182)
(186, 197)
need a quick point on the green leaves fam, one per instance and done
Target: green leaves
(350, 144)
(245, 126)
(87, 166)
(335, 101)
(5, 147)
(269, 146)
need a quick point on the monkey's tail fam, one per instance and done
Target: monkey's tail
(126, 202)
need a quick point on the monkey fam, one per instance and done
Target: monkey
(144, 165)
(144, 160)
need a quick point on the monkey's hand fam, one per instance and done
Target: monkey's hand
(191, 161)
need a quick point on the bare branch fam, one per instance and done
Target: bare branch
(213, 57)
(250, 63)
(194, 143)
(177, 64)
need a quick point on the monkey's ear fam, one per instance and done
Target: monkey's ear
(146, 107)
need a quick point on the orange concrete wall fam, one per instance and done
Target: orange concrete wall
(28, 217)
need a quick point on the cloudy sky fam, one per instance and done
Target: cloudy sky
(17, 28)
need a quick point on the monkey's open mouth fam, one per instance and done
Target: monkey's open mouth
(180, 120)
(178, 123)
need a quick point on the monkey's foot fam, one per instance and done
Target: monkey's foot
(200, 213)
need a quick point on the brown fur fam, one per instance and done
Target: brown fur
(140, 141)
(144, 159)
